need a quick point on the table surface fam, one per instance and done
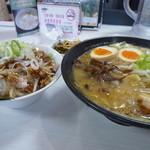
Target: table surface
(60, 121)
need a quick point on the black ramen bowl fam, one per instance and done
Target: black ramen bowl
(78, 50)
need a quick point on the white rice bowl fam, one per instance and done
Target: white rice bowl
(26, 100)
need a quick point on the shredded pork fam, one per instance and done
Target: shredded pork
(23, 76)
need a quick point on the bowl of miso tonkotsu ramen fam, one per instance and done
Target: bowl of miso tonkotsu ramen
(112, 76)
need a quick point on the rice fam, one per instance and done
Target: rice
(28, 22)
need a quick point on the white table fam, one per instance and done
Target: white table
(60, 121)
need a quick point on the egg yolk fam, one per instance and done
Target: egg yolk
(130, 54)
(101, 51)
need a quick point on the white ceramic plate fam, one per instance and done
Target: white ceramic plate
(61, 41)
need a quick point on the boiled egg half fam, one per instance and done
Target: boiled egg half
(129, 54)
(104, 53)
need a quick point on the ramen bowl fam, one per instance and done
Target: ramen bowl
(28, 99)
(67, 73)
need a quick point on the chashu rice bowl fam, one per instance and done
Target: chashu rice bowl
(26, 70)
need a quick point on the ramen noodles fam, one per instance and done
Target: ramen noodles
(116, 77)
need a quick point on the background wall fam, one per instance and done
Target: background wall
(114, 12)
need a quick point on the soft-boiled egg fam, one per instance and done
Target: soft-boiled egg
(129, 54)
(104, 53)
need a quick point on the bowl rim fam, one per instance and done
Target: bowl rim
(106, 112)
(55, 78)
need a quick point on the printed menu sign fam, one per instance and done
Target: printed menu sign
(25, 16)
(91, 12)
(64, 16)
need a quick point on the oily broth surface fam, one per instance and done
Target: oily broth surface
(120, 98)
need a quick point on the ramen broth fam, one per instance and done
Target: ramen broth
(118, 85)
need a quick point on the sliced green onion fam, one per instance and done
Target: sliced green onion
(50, 55)
(16, 48)
(143, 62)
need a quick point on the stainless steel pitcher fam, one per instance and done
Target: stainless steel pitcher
(141, 26)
